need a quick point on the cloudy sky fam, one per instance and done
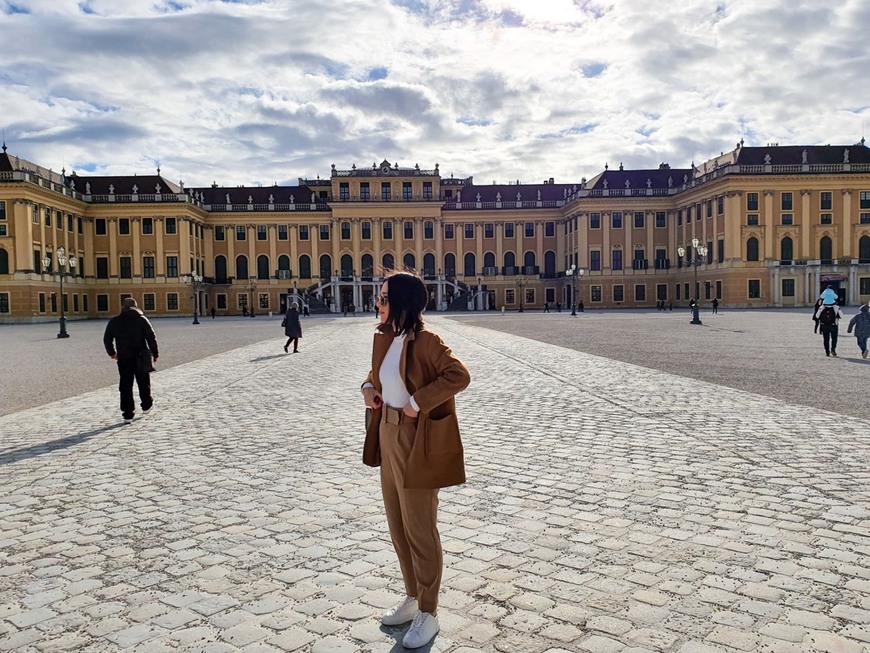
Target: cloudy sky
(246, 92)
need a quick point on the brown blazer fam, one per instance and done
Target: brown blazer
(432, 375)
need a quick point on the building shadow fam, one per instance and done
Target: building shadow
(14, 455)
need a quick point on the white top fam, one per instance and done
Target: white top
(393, 389)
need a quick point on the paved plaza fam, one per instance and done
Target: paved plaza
(610, 508)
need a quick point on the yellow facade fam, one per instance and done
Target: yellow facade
(780, 223)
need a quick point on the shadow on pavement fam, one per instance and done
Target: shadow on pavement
(267, 358)
(14, 455)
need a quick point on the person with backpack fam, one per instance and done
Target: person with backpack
(829, 316)
(861, 324)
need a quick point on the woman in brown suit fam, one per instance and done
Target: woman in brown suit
(414, 438)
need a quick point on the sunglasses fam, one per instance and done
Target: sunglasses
(382, 299)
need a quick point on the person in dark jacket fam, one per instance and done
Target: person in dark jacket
(861, 324)
(292, 328)
(815, 311)
(127, 335)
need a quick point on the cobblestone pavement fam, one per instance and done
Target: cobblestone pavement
(597, 518)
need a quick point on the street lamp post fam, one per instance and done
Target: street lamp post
(700, 251)
(61, 256)
(195, 280)
(521, 281)
(252, 284)
(576, 274)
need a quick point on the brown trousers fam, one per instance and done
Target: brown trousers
(411, 514)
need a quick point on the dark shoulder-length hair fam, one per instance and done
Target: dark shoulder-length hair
(407, 297)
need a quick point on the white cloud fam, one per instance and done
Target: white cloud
(265, 90)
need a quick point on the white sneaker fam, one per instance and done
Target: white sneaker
(423, 629)
(402, 613)
(128, 420)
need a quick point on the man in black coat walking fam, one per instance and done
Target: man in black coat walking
(127, 335)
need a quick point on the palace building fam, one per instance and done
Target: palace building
(757, 226)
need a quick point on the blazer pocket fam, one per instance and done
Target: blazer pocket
(442, 436)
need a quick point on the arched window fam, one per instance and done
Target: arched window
(529, 262)
(409, 261)
(429, 265)
(325, 266)
(346, 265)
(469, 265)
(368, 266)
(510, 262)
(751, 249)
(305, 266)
(242, 267)
(786, 249)
(863, 250)
(388, 262)
(220, 268)
(284, 262)
(489, 260)
(4, 261)
(826, 249)
(550, 264)
(262, 266)
(450, 265)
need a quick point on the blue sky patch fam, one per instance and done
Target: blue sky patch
(474, 122)
(11, 8)
(593, 69)
(377, 73)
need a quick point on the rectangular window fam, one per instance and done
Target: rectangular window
(595, 221)
(616, 259)
(509, 296)
(826, 218)
(264, 300)
(489, 230)
(788, 287)
(754, 289)
(69, 222)
(864, 285)
(303, 232)
(366, 228)
(709, 208)
(171, 226)
(530, 230)
(595, 260)
(751, 201)
(469, 230)
(661, 220)
(47, 217)
(149, 302)
(364, 191)
(261, 232)
(640, 293)
(595, 293)
(508, 229)
(324, 232)
(679, 217)
(406, 190)
(661, 291)
(408, 229)
(720, 205)
(102, 267)
(427, 190)
(147, 226)
(80, 229)
(616, 220)
(618, 293)
(688, 214)
(530, 295)
(42, 302)
(126, 267)
(283, 232)
(826, 200)
(720, 251)
(864, 199)
(344, 191)
(786, 201)
(147, 267)
(172, 301)
(752, 219)
(550, 229)
(100, 226)
(172, 266)
(4, 302)
(864, 218)
(124, 226)
(75, 303)
(387, 229)
(3, 230)
(386, 190)
(787, 219)
(428, 230)
(639, 219)
(219, 233)
(241, 232)
(35, 215)
(448, 232)
(345, 230)
(677, 288)
(2, 210)
(102, 303)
